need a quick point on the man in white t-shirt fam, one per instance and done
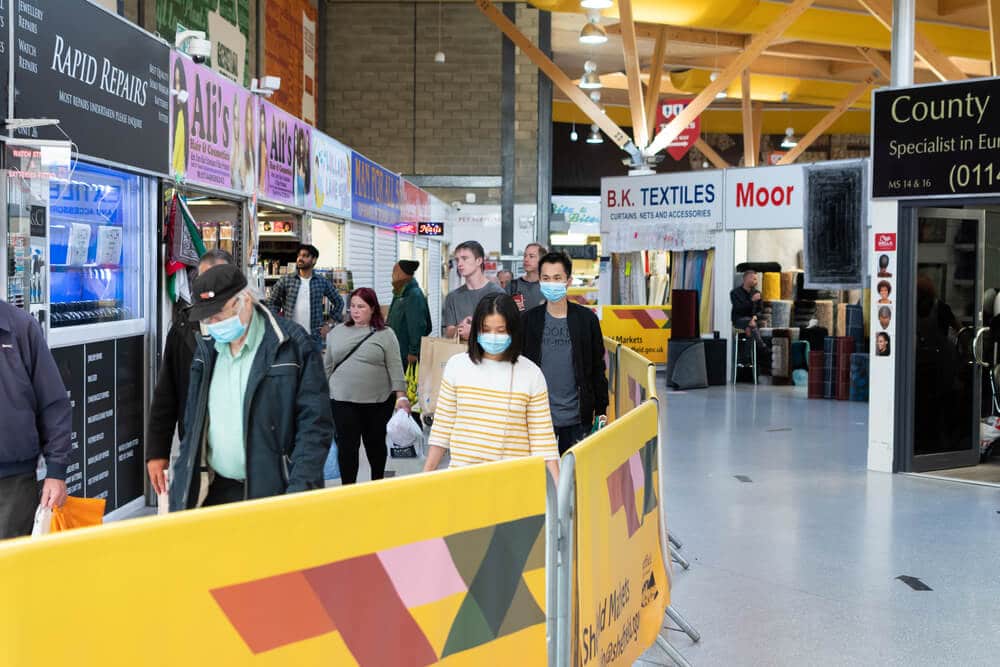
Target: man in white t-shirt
(299, 296)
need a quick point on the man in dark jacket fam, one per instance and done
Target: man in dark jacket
(36, 418)
(258, 419)
(409, 316)
(166, 411)
(565, 340)
(747, 306)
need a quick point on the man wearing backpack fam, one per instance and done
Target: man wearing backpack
(409, 316)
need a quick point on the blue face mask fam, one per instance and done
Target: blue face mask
(494, 343)
(229, 329)
(553, 291)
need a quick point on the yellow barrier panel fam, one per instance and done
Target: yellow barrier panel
(645, 329)
(611, 373)
(446, 567)
(636, 379)
(622, 584)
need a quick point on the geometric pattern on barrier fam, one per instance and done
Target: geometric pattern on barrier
(440, 597)
(636, 391)
(632, 489)
(647, 318)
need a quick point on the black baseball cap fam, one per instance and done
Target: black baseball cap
(212, 290)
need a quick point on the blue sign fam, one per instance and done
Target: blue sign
(376, 193)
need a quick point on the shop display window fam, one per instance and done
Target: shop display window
(94, 247)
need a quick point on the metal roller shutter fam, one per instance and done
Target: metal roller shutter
(385, 257)
(361, 254)
(434, 285)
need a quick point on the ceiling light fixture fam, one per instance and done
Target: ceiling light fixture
(713, 76)
(593, 32)
(439, 57)
(573, 136)
(784, 96)
(590, 80)
(595, 135)
(596, 4)
(721, 95)
(789, 140)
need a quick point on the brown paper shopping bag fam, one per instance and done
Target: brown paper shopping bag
(434, 356)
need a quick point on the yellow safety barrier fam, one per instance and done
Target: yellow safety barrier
(621, 580)
(444, 567)
(645, 329)
(611, 347)
(636, 380)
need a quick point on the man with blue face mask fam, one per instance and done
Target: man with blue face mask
(258, 418)
(565, 340)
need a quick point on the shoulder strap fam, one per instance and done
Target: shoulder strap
(353, 350)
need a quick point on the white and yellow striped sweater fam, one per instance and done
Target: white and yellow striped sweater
(492, 411)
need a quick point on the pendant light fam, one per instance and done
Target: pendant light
(593, 32)
(596, 4)
(439, 56)
(595, 135)
(573, 136)
(789, 141)
(590, 80)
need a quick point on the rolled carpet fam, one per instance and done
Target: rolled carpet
(788, 280)
(781, 370)
(772, 287)
(856, 325)
(829, 368)
(824, 315)
(814, 336)
(781, 314)
(840, 328)
(844, 348)
(684, 314)
(859, 376)
(816, 372)
(800, 354)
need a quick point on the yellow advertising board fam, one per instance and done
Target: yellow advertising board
(622, 585)
(645, 329)
(447, 567)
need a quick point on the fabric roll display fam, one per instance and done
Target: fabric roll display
(772, 287)
(781, 371)
(684, 314)
(859, 376)
(844, 348)
(856, 325)
(816, 373)
(840, 328)
(781, 314)
(800, 354)
(814, 336)
(824, 315)
(829, 368)
(788, 280)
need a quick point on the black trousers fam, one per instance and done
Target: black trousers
(357, 422)
(224, 491)
(19, 496)
(567, 436)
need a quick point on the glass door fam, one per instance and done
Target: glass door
(949, 313)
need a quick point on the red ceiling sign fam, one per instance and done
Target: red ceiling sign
(666, 111)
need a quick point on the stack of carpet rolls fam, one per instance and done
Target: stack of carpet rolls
(859, 376)
(854, 325)
(781, 351)
(829, 368)
(843, 349)
(817, 366)
(824, 315)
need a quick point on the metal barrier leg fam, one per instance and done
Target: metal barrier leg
(672, 652)
(552, 566)
(682, 623)
(679, 559)
(674, 541)
(564, 588)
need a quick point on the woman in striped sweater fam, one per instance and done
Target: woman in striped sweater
(493, 403)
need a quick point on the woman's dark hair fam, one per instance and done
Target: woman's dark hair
(884, 335)
(367, 294)
(496, 304)
(886, 285)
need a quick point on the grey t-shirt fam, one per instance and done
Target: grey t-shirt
(531, 291)
(463, 301)
(557, 367)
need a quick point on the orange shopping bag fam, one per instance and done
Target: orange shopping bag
(78, 513)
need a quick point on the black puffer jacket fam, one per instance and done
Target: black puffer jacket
(166, 411)
(286, 417)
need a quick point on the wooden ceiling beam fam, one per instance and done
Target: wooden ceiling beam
(758, 128)
(926, 51)
(726, 40)
(702, 101)
(655, 80)
(717, 160)
(749, 157)
(949, 7)
(640, 130)
(772, 66)
(557, 76)
(829, 119)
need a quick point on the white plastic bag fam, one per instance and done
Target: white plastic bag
(403, 431)
(43, 521)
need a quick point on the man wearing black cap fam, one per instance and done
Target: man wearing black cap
(258, 419)
(409, 316)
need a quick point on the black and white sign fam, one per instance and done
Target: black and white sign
(938, 140)
(105, 381)
(105, 80)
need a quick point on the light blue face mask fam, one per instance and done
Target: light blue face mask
(229, 329)
(553, 291)
(494, 343)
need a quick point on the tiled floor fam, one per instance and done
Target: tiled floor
(799, 566)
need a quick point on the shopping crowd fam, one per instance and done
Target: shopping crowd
(257, 390)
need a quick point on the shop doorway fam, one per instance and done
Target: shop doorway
(955, 409)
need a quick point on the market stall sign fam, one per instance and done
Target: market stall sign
(331, 176)
(285, 157)
(213, 128)
(666, 111)
(585, 252)
(104, 79)
(376, 192)
(765, 198)
(416, 204)
(939, 140)
(431, 229)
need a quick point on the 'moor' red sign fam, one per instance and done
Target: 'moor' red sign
(885, 242)
(666, 111)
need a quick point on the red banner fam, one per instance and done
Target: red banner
(666, 111)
